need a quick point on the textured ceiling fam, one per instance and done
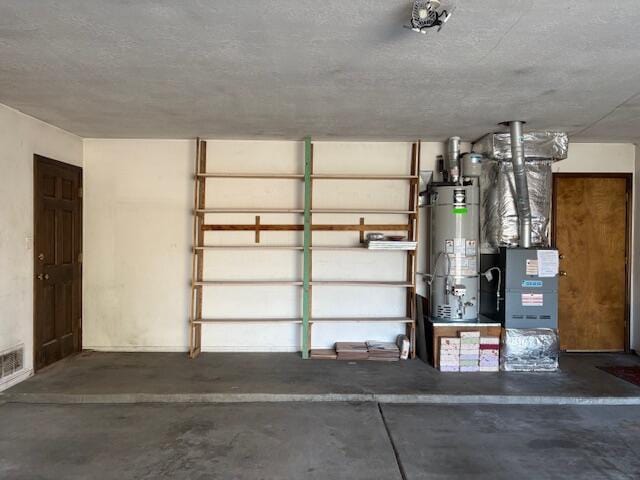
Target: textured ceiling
(331, 68)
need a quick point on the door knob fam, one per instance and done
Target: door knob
(41, 257)
(562, 273)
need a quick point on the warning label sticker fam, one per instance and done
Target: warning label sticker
(532, 267)
(532, 300)
(448, 246)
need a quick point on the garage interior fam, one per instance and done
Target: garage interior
(371, 236)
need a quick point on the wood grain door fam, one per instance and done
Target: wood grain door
(591, 229)
(57, 260)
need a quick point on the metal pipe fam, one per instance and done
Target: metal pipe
(522, 188)
(453, 158)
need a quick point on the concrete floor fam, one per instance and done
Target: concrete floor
(91, 416)
(516, 442)
(170, 377)
(326, 441)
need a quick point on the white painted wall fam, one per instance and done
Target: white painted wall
(20, 137)
(138, 197)
(138, 200)
(598, 157)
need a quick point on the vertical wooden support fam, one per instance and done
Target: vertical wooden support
(412, 236)
(306, 275)
(257, 229)
(195, 337)
(311, 254)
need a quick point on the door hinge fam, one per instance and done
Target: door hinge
(79, 192)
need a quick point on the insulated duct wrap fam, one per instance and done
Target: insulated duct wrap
(498, 212)
(529, 350)
(537, 145)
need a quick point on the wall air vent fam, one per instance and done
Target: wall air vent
(11, 361)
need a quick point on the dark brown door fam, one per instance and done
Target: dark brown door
(57, 267)
(591, 227)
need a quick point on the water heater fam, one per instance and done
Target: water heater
(454, 230)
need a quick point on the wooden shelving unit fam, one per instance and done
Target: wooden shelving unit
(196, 319)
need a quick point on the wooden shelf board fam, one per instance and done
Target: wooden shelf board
(359, 283)
(355, 176)
(362, 248)
(249, 247)
(300, 176)
(274, 176)
(250, 210)
(364, 320)
(346, 283)
(336, 227)
(264, 283)
(361, 210)
(248, 320)
(312, 320)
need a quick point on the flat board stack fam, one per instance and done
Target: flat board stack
(324, 354)
(489, 354)
(352, 351)
(383, 351)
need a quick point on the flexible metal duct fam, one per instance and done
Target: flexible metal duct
(522, 188)
(499, 219)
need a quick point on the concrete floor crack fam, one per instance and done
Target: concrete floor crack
(403, 474)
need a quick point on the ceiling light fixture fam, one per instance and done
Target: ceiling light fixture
(427, 14)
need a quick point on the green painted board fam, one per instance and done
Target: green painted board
(306, 300)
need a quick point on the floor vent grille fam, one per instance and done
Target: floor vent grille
(11, 361)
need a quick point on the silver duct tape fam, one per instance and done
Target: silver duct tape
(537, 145)
(498, 211)
(529, 349)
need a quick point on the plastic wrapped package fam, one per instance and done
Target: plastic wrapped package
(529, 350)
(537, 145)
(498, 211)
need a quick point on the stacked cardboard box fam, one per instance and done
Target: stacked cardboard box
(489, 354)
(469, 351)
(449, 354)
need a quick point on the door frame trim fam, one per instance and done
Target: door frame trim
(40, 159)
(628, 177)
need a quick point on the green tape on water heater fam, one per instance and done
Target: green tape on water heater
(459, 202)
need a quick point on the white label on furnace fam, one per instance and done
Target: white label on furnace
(532, 299)
(532, 267)
(458, 246)
(548, 263)
(448, 246)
